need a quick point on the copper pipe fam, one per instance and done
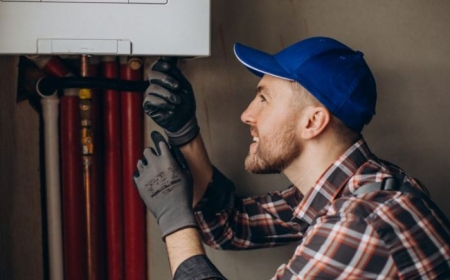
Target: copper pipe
(87, 143)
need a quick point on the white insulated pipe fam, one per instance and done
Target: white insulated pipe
(50, 112)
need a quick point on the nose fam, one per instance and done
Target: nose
(248, 116)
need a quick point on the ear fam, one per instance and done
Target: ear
(315, 120)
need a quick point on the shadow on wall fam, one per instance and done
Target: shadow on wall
(409, 128)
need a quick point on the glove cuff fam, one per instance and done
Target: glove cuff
(185, 134)
(176, 222)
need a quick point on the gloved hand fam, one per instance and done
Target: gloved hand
(170, 102)
(165, 185)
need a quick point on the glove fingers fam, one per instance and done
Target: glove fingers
(149, 153)
(157, 138)
(169, 67)
(153, 103)
(163, 80)
(140, 168)
(176, 74)
(163, 149)
(164, 64)
(164, 93)
(136, 175)
(143, 162)
(156, 75)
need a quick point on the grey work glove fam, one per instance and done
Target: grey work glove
(166, 186)
(170, 102)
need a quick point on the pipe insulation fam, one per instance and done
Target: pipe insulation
(132, 145)
(98, 209)
(48, 85)
(113, 174)
(53, 66)
(50, 113)
(74, 210)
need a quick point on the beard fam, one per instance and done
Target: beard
(275, 151)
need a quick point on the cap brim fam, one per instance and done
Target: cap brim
(259, 63)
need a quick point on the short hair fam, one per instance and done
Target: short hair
(304, 96)
(342, 131)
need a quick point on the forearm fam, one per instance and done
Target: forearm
(187, 257)
(182, 245)
(201, 169)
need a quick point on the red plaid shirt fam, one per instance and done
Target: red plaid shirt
(378, 235)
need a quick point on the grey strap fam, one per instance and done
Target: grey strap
(395, 184)
(390, 184)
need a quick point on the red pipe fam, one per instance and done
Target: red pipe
(55, 67)
(73, 203)
(113, 175)
(96, 240)
(132, 145)
(74, 225)
(51, 65)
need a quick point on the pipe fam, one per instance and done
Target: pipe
(51, 65)
(96, 256)
(50, 112)
(98, 189)
(92, 196)
(113, 175)
(48, 85)
(75, 265)
(87, 144)
(132, 145)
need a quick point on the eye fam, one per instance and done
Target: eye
(261, 98)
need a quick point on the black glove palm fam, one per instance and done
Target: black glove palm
(170, 102)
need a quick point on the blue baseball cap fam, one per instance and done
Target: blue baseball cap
(335, 74)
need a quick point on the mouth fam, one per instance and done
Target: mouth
(254, 145)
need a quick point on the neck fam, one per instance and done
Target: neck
(315, 159)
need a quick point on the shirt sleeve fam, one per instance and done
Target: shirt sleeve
(198, 267)
(219, 195)
(230, 222)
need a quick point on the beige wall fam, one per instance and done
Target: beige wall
(21, 245)
(406, 42)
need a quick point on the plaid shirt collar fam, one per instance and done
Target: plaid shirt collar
(332, 181)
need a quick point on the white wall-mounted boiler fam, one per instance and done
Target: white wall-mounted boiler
(105, 27)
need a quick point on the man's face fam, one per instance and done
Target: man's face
(273, 121)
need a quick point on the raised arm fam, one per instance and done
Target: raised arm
(170, 102)
(201, 168)
(165, 185)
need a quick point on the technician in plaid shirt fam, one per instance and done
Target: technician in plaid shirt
(311, 105)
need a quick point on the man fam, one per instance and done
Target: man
(355, 216)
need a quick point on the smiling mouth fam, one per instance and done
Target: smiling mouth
(254, 145)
